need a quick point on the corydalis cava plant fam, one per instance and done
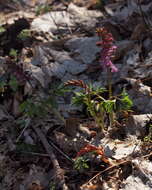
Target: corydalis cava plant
(107, 49)
(107, 52)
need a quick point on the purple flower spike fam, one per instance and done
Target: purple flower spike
(108, 49)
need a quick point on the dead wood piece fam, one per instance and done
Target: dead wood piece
(59, 174)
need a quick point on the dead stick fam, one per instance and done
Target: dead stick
(34, 153)
(124, 162)
(59, 172)
(106, 170)
(61, 152)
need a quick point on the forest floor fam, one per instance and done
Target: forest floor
(48, 143)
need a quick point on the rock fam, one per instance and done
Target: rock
(141, 178)
(67, 77)
(84, 49)
(74, 67)
(141, 96)
(38, 74)
(59, 56)
(132, 58)
(87, 18)
(142, 103)
(27, 138)
(70, 67)
(139, 86)
(118, 149)
(55, 69)
(136, 125)
(122, 48)
(125, 149)
(134, 183)
(57, 20)
(52, 21)
(40, 56)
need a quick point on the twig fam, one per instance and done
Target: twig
(99, 173)
(148, 155)
(66, 156)
(113, 166)
(26, 126)
(58, 171)
(34, 153)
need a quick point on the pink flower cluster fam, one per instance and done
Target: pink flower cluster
(108, 49)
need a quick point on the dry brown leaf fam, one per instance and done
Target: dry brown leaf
(138, 31)
(35, 185)
(86, 3)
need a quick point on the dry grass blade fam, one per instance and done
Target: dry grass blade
(79, 83)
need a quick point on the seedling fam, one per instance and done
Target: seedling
(97, 105)
(81, 163)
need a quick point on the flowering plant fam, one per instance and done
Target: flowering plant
(107, 49)
(98, 105)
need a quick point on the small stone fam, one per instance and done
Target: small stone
(38, 74)
(136, 124)
(74, 67)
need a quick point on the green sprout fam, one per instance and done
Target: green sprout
(81, 163)
(24, 34)
(13, 53)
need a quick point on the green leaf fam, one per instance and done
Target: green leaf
(61, 90)
(81, 163)
(2, 29)
(79, 98)
(109, 105)
(51, 102)
(13, 83)
(124, 102)
(24, 34)
(13, 53)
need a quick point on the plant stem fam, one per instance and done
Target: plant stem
(109, 82)
(111, 115)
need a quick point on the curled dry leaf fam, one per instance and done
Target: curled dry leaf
(91, 148)
(79, 83)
